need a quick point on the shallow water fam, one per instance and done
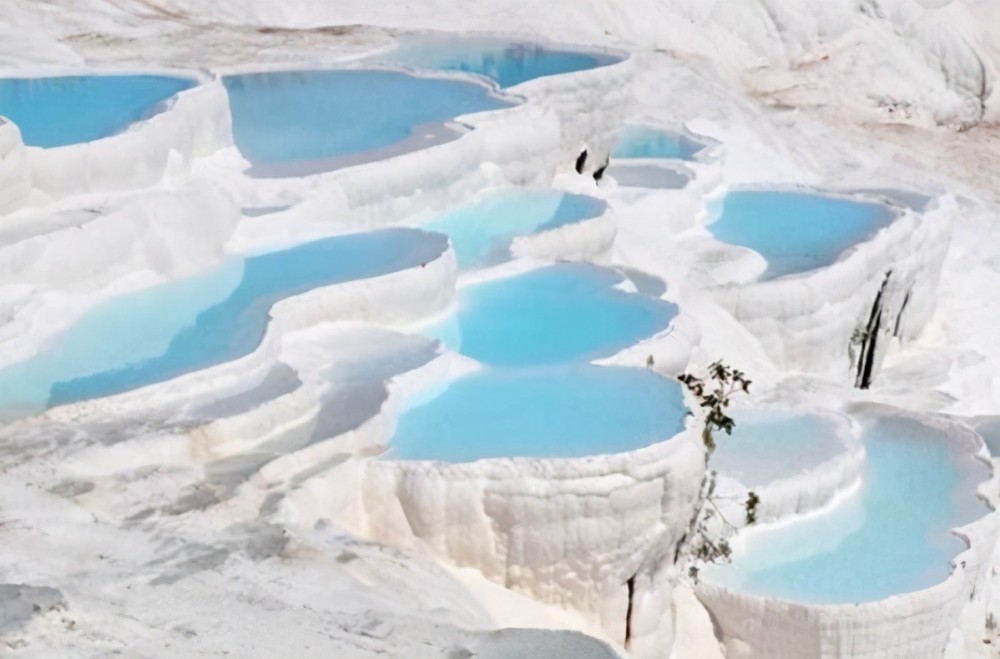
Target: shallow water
(563, 411)
(555, 314)
(649, 142)
(893, 536)
(648, 176)
(767, 445)
(182, 326)
(482, 232)
(508, 63)
(314, 116)
(796, 231)
(58, 111)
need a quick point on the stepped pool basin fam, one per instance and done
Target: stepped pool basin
(796, 232)
(508, 63)
(562, 411)
(767, 445)
(163, 332)
(559, 313)
(893, 536)
(60, 111)
(649, 176)
(649, 142)
(481, 233)
(294, 122)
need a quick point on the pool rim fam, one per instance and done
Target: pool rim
(711, 149)
(199, 77)
(396, 405)
(711, 209)
(519, 245)
(613, 56)
(931, 597)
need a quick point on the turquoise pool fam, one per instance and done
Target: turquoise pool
(770, 444)
(650, 142)
(797, 232)
(506, 62)
(182, 326)
(313, 118)
(482, 232)
(560, 411)
(560, 313)
(64, 110)
(891, 537)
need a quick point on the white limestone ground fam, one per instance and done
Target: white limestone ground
(157, 546)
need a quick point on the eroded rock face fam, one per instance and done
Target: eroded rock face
(596, 535)
(839, 320)
(884, 323)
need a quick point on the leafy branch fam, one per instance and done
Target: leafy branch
(714, 398)
(714, 394)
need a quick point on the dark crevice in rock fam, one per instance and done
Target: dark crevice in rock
(628, 612)
(599, 172)
(899, 316)
(869, 342)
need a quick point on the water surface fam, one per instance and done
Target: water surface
(321, 116)
(650, 142)
(65, 110)
(797, 231)
(892, 537)
(508, 63)
(481, 233)
(560, 313)
(556, 412)
(770, 444)
(162, 332)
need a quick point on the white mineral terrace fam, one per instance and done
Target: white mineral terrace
(353, 329)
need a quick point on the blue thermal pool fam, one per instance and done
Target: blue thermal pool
(482, 232)
(797, 231)
(649, 142)
(557, 412)
(555, 314)
(66, 110)
(182, 326)
(508, 63)
(767, 445)
(319, 118)
(893, 536)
